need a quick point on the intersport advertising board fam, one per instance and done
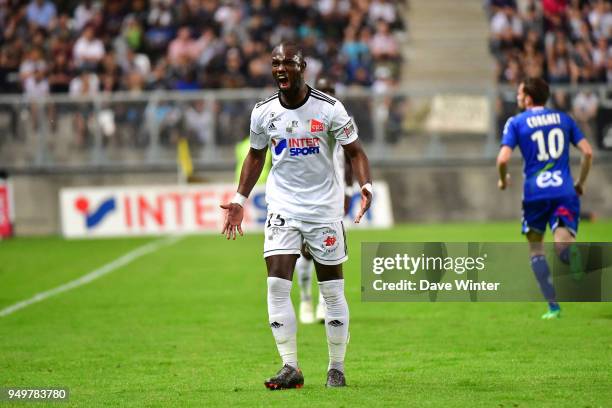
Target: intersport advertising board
(88, 212)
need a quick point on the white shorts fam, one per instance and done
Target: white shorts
(326, 242)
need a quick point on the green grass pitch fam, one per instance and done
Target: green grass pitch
(187, 326)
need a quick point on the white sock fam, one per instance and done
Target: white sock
(336, 321)
(282, 319)
(303, 267)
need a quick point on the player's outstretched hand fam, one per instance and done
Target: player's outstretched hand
(233, 220)
(366, 201)
(502, 184)
(579, 189)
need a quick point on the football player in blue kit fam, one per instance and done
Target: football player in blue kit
(550, 195)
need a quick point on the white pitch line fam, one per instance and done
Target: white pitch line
(93, 275)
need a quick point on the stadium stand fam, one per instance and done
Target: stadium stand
(77, 52)
(566, 42)
(558, 40)
(189, 45)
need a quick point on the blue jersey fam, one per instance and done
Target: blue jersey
(544, 136)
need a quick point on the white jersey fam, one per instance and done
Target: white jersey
(305, 182)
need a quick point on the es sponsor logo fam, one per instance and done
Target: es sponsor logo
(549, 179)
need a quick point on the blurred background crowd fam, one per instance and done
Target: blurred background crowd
(84, 47)
(562, 41)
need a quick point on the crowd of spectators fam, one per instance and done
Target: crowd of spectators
(84, 47)
(561, 41)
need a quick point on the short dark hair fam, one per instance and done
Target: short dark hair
(292, 45)
(538, 89)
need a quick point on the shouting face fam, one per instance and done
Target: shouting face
(288, 68)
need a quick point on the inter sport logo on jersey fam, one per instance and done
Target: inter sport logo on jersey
(302, 146)
(94, 216)
(279, 146)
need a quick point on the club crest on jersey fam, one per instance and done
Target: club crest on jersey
(316, 126)
(291, 127)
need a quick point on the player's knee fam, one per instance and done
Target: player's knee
(331, 288)
(281, 270)
(279, 286)
(563, 235)
(333, 293)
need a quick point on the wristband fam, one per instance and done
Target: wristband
(348, 191)
(239, 199)
(367, 186)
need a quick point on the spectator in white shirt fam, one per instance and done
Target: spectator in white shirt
(384, 46)
(88, 51)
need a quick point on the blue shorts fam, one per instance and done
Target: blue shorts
(560, 211)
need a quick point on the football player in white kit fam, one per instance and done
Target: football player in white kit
(305, 264)
(302, 127)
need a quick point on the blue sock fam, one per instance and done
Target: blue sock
(542, 274)
(564, 256)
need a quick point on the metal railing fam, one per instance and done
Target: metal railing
(139, 131)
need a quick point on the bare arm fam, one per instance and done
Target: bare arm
(348, 171)
(361, 168)
(585, 164)
(348, 183)
(502, 167)
(251, 170)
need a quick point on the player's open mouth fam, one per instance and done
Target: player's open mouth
(283, 81)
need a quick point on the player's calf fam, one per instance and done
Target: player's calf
(282, 320)
(336, 322)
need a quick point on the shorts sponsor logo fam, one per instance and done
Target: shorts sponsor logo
(330, 241)
(564, 212)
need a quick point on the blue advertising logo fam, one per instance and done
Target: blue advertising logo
(93, 218)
